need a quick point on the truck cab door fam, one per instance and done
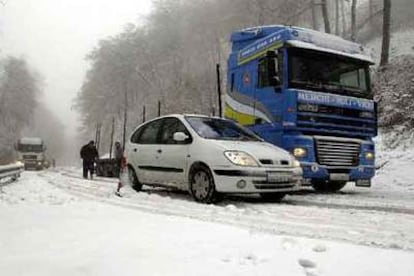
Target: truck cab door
(268, 96)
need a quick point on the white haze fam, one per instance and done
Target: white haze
(54, 36)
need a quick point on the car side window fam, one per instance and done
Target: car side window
(150, 132)
(136, 135)
(171, 126)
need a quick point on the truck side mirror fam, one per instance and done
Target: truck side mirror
(269, 70)
(274, 79)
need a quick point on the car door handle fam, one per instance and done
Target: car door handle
(135, 150)
(159, 151)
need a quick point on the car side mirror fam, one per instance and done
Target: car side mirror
(180, 137)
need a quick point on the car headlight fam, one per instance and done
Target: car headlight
(369, 155)
(241, 158)
(299, 152)
(296, 164)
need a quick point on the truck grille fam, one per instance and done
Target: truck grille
(334, 152)
(30, 157)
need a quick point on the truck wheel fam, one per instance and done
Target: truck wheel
(272, 197)
(202, 186)
(133, 179)
(328, 186)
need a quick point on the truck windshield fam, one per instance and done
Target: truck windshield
(315, 70)
(29, 148)
(214, 128)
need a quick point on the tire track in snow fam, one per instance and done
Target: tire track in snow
(356, 226)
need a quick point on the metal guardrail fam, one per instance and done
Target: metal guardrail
(13, 171)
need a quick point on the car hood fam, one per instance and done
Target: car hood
(260, 150)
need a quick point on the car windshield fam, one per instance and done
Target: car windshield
(327, 72)
(214, 128)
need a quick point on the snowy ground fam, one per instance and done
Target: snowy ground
(56, 223)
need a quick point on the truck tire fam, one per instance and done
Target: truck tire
(327, 186)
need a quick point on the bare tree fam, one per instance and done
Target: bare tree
(337, 17)
(386, 37)
(315, 24)
(353, 20)
(325, 15)
(343, 18)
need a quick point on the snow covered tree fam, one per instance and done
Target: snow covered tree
(18, 91)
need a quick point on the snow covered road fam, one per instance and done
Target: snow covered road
(87, 230)
(359, 216)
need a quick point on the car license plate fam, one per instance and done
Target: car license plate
(363, 183)
(278, 177)
(339, 176)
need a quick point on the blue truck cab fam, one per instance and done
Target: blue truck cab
(309, 93)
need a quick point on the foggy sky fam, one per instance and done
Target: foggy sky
(55, 36)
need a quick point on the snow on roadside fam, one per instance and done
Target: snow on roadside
(396, 171)
(46, 231)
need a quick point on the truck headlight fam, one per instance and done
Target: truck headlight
(369, 155)
(299, 152)
(241, 158)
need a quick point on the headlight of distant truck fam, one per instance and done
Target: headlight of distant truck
(299, 152)
(241, 158)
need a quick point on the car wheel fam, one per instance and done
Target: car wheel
(133, 179)
(272, 197)
(202, 186)
(328, 186)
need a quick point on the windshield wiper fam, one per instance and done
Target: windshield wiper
(308, 84)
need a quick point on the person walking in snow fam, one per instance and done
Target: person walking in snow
(118, 153)
(89, 154)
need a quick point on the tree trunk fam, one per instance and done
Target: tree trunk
(325, 16)
(344, 27)
(371, 12)
(386, 33)
(337, 17)
(353, 20)
(315, 24)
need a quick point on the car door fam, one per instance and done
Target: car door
(143, 151)
(172, 155)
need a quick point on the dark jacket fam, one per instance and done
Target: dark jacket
(89, 153)
(118, 152)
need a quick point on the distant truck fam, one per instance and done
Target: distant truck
(309, 93)
(31, 152)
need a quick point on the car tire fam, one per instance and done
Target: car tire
(201, 185)
(273, 197)
(133, 179)
(328, 186)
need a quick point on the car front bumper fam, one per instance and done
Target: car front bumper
(257, 180)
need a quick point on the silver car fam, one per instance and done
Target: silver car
(208, 156)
